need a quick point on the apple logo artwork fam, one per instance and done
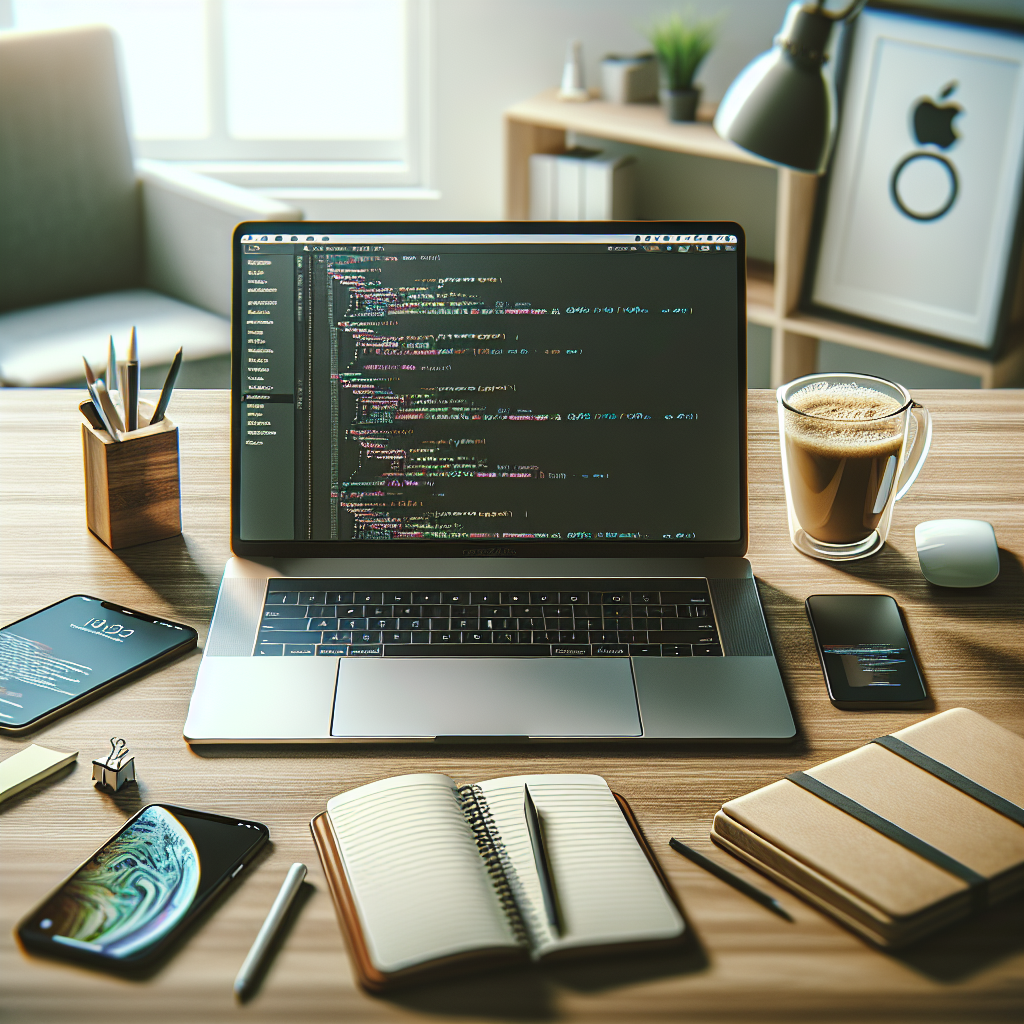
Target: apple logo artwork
(924, 184)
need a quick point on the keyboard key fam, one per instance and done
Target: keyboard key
(681, 597)
(698, 612)
(455, 597)
(445, 638)
(586, 623)
(644, 650)
(407, 610)
(644, 597)
(396, 637)
(543, 636)
(675, 636)
(469, 623)
(397, 596)
(610, 650)
(367, 652)
(707, 650)
(323, 624)
(573, 597)
(290, 611)
(376, 611)
(295, 650)
(487, 597)
(675, 650)
(415, 623)
(382, 623)
(365, 637)
(420, 636)
(367, 597)
(278, 598)
(468, 651)
(633, 636)
(543, 597)
(471, 637)
(331, 650)
(269, 650)
(435, 611)
(338, 597)
(603, 636)
(486, 622)
(426, 597)
(515, 597)
(337, 637)
(615, 597)
(439, 624)
(352, 623)
(311, 597)
(570, 650)
(617, 612)
(277, 636)
(574, 636)
(531, 622)
(321, 611)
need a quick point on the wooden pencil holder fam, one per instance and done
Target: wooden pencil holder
(132, 490)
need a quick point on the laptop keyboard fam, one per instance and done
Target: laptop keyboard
(504, 618)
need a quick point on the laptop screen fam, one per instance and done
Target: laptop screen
(482, 388)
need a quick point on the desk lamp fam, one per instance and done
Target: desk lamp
(781, 106)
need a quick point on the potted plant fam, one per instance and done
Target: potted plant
(680, 47)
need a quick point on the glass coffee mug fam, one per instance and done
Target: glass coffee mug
(847, 458)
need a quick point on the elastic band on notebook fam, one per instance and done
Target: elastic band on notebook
(953, 778)
(888, 829)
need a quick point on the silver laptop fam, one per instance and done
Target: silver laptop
(488, 482)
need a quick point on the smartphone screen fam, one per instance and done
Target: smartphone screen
(75, 647)
(128, 900)
(864, 649)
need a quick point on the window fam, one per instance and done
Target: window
(265, 92)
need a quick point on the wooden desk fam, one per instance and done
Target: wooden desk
(753, 966)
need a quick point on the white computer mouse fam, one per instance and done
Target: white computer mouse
(957, 552)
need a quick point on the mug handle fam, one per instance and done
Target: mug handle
(918, 451)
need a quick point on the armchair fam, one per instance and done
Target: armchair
(90, 242)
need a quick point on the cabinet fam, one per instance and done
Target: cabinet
(540, 125)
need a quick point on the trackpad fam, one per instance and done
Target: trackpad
(420, 698)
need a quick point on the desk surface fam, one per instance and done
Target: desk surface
(752, 965)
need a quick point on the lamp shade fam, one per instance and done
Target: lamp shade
(781, 106)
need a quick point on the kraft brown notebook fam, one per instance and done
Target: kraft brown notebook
(899, 837)
(431, 879)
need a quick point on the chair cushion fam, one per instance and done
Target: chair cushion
(44, 345)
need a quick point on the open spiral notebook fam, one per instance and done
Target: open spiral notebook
(431, 878)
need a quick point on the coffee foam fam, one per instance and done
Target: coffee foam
(845, 420)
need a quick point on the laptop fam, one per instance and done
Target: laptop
(488, 482)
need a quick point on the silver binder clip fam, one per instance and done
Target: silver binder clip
(114, 771)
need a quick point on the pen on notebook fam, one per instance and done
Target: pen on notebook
(727, 876)
(89, 411)
(130, 398)
(249, 970)
(168, 388)
(543, 862)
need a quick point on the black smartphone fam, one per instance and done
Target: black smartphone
(73, 651)
(865, 651)
(127, 902)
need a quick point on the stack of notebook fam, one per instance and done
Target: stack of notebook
(899, 837)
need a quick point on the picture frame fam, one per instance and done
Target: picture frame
(919, 221)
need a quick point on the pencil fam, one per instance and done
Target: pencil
(727, 876)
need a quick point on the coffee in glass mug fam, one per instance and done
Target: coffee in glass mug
(846, 459)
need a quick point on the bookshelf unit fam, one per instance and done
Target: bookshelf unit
(540, 125)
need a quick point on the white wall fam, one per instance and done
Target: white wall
(489, 54)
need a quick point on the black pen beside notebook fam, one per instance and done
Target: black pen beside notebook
(433, 879)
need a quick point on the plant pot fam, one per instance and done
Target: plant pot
(680, 104)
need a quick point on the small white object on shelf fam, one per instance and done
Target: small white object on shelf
(573, 88)
(581, 184)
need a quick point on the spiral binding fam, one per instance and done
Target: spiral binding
(488, 842)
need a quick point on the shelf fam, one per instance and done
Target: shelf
(539, 125)
(642, 124)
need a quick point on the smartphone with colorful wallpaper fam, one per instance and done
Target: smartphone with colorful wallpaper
(74, 650)
(125, 905)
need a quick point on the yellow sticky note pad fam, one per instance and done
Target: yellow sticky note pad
(30, 765)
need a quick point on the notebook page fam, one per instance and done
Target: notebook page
(607, 890)
(417, 878)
